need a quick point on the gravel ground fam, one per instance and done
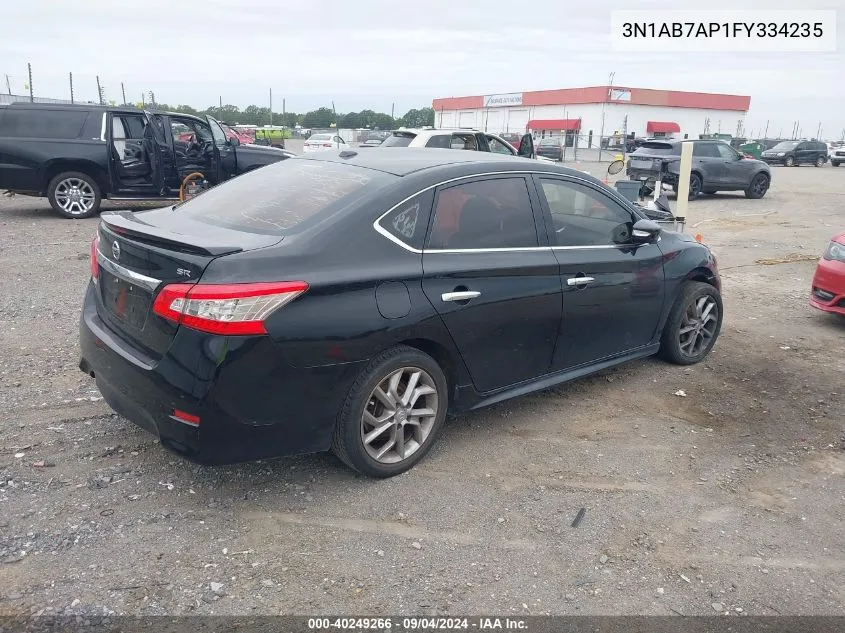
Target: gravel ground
(726, 500)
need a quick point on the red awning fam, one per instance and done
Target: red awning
(666, 127)
(554, 124)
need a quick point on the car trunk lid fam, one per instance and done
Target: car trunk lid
(138, 254)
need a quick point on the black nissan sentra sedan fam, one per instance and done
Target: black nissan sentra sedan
(347, 301)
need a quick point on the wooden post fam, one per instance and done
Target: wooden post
(683, 180)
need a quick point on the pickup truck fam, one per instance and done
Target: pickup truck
(78, 155)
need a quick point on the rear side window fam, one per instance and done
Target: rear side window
(491, 213)
(443, 141)
(285, 197)
(399, 139)
(408, 222)
(656, 148)
(22, 123)
(705, 150)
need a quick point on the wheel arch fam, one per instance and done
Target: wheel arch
(449, 360)
(53, 168)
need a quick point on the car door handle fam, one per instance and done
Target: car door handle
(578, 281)
(464, 295)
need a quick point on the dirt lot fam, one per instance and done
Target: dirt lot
(730, 499)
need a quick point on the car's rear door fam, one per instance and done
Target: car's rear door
(487, 275)
(613, 289)
(708, 161)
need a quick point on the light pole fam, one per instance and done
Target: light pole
(603, 104)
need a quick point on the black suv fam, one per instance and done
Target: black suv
(716, 166)
(76, 155)
(791, 153)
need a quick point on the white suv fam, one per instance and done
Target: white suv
(459, 138)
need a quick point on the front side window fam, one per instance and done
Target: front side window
(490, 213)
(584, 217)
(726, 152)
(497, 147)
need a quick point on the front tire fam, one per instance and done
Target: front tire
(835, 163)
(693, 324)
(393, 413)
(758, 187)
(74, 195)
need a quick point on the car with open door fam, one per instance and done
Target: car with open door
(347, 301)
(78, 155)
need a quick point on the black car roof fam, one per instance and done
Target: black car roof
(95, 106)
(402, 161)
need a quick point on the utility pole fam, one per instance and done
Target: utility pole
(99, 90)
(284, 113)
(70, 79)
(29, 72)
(8, 85)
(603, 104)
(819, 132)
(392, 107)
(271, 106)
(766, 133)
(221, 102)
(123, 91)
(336, 130)
(625, 138)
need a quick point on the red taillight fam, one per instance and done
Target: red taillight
(327, 144)
(95, 267)
(187, 418)
(229, 309)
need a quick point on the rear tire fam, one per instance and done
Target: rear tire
(74, 195)
(391, 375)
(819, 161)
(691, 329)
(695, 186)
(789, 161)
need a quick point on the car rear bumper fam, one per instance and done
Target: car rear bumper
(249, 402)
(828, 290)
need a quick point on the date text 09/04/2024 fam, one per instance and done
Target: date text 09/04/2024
(417, 624)
(723, 29)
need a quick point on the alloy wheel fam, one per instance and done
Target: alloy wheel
(698, 325)
(399, 415)
(694, 186)
(75, 196)
(760, 185)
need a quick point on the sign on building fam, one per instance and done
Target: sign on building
(498, 101)
(619, 94)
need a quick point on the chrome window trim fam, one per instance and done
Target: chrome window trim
(103, 127)
(150, 283)
(385, 233)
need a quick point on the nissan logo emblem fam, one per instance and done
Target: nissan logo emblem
(115, 250)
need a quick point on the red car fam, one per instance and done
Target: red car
(828, 291)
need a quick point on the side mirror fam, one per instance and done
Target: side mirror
(645, 231)
(233, 141)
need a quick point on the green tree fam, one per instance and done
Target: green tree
(352, 120)
(418, 118)
(321, 117)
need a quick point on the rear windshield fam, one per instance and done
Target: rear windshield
(652, 148)
(41, 123)
(285, 197)
(399, 139)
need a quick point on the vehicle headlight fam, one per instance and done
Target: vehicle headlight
(835, 252)
(781, 153)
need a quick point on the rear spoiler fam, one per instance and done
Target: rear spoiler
(128, 224)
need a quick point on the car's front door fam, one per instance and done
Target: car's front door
(802, 153)
(526, 147)
(613, 289)
(133, 154)
(490, 280)
(739, 170)
(225, 152)
(193, 147)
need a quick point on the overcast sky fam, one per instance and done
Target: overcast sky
(375, 53)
